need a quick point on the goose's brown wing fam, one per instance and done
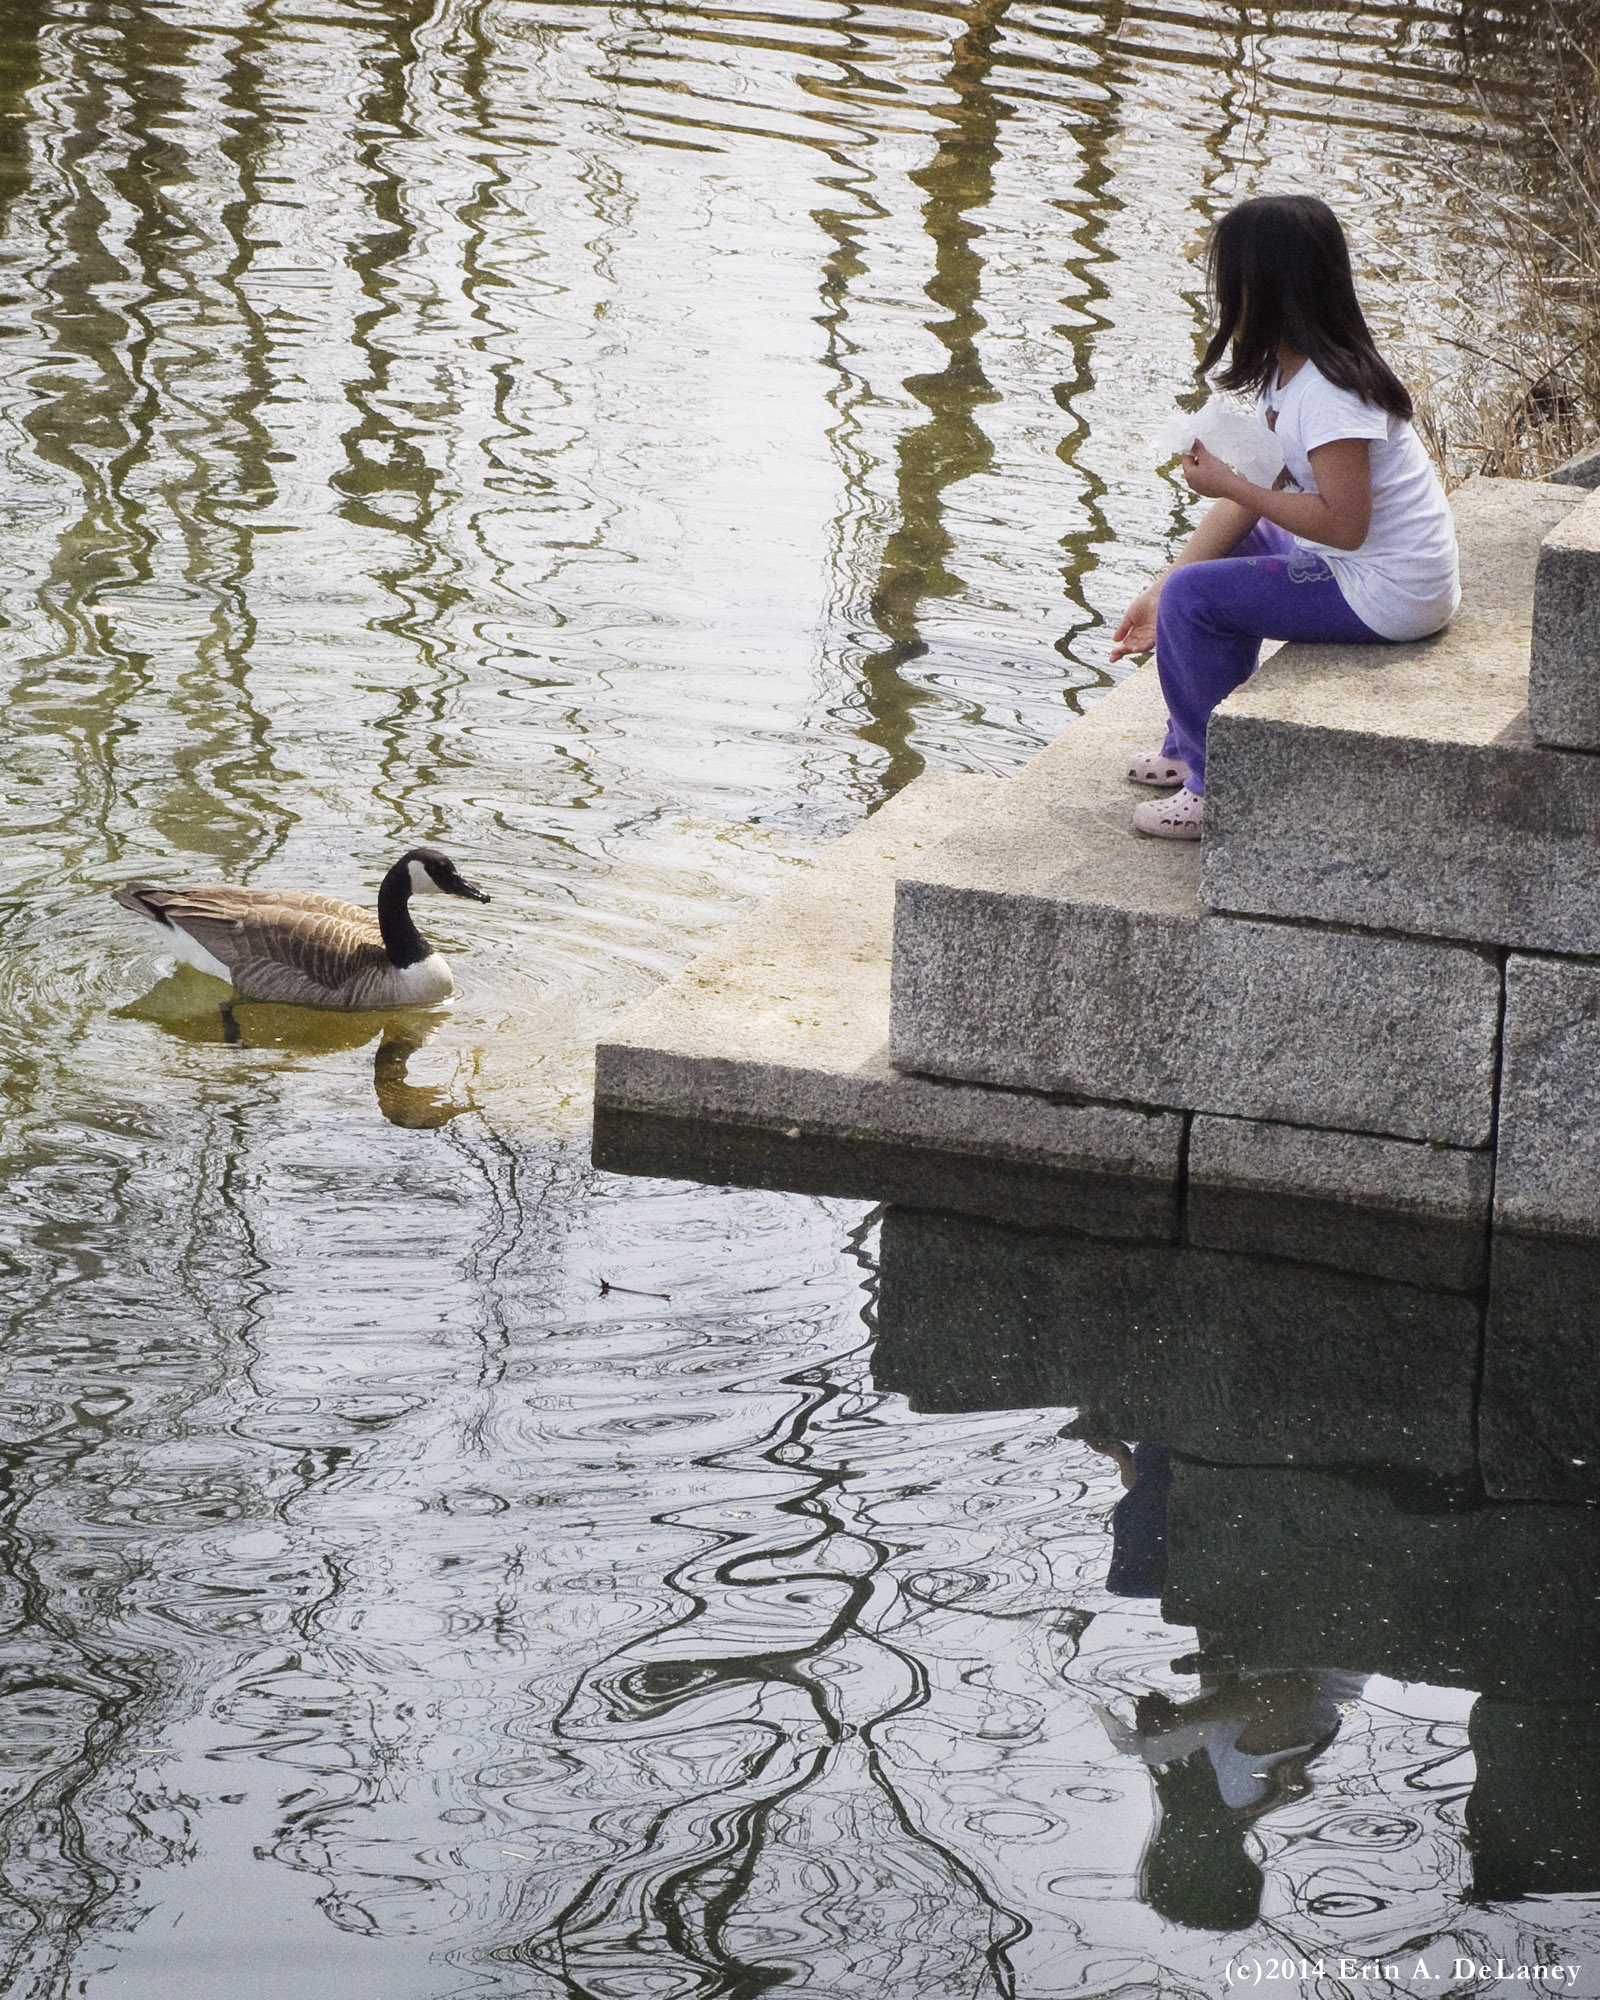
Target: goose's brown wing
(304, 949)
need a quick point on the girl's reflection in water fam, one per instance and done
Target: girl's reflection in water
(1239, 1748)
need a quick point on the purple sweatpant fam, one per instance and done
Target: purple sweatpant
(1214, 616)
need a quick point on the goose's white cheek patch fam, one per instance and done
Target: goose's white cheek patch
(422, 883)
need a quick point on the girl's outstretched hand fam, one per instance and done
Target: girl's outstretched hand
(1207, 474)
(1137, 631)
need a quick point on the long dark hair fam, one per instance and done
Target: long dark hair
(1280, 270)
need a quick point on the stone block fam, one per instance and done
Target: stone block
(782, 1027)
(1393, 1208)
(1564, 680)
(1406, 1212)
(1052, 949)
(1294, 1569)
(1399, 788)
(1582, 469)
(1539, 1413)
(1398, 1175)
(1170, 1344)
(1547, 1173)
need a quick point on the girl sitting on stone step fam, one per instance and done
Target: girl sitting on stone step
(1355, 542)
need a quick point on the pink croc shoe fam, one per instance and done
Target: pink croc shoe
(1177, 818)
(1152, 767)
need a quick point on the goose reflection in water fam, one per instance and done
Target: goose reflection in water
(1237, 1749)
(196, 1008)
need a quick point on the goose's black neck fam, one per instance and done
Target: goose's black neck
(403, 942)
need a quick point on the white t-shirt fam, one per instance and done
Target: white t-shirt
(1404, 580)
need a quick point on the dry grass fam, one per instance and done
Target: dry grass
(1535, 398)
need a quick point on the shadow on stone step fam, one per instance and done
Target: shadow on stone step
(1400, 1248)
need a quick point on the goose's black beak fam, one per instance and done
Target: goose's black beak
(461, 887)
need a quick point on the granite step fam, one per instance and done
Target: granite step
(1582, 469)
(995, 996)
(1564, 679)
(1050, 948)
(1401, 788)
(766, 1061)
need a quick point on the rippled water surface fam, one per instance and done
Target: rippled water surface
(622, 444)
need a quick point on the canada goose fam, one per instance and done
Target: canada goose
(310, 950)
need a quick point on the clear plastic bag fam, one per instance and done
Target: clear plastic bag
(1233, 430)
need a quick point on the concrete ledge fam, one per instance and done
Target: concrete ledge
(1564, 680)
(783, 1025)
(1052, 949)
(1547, 1176)
(1399, 787)
(1392, 1174)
